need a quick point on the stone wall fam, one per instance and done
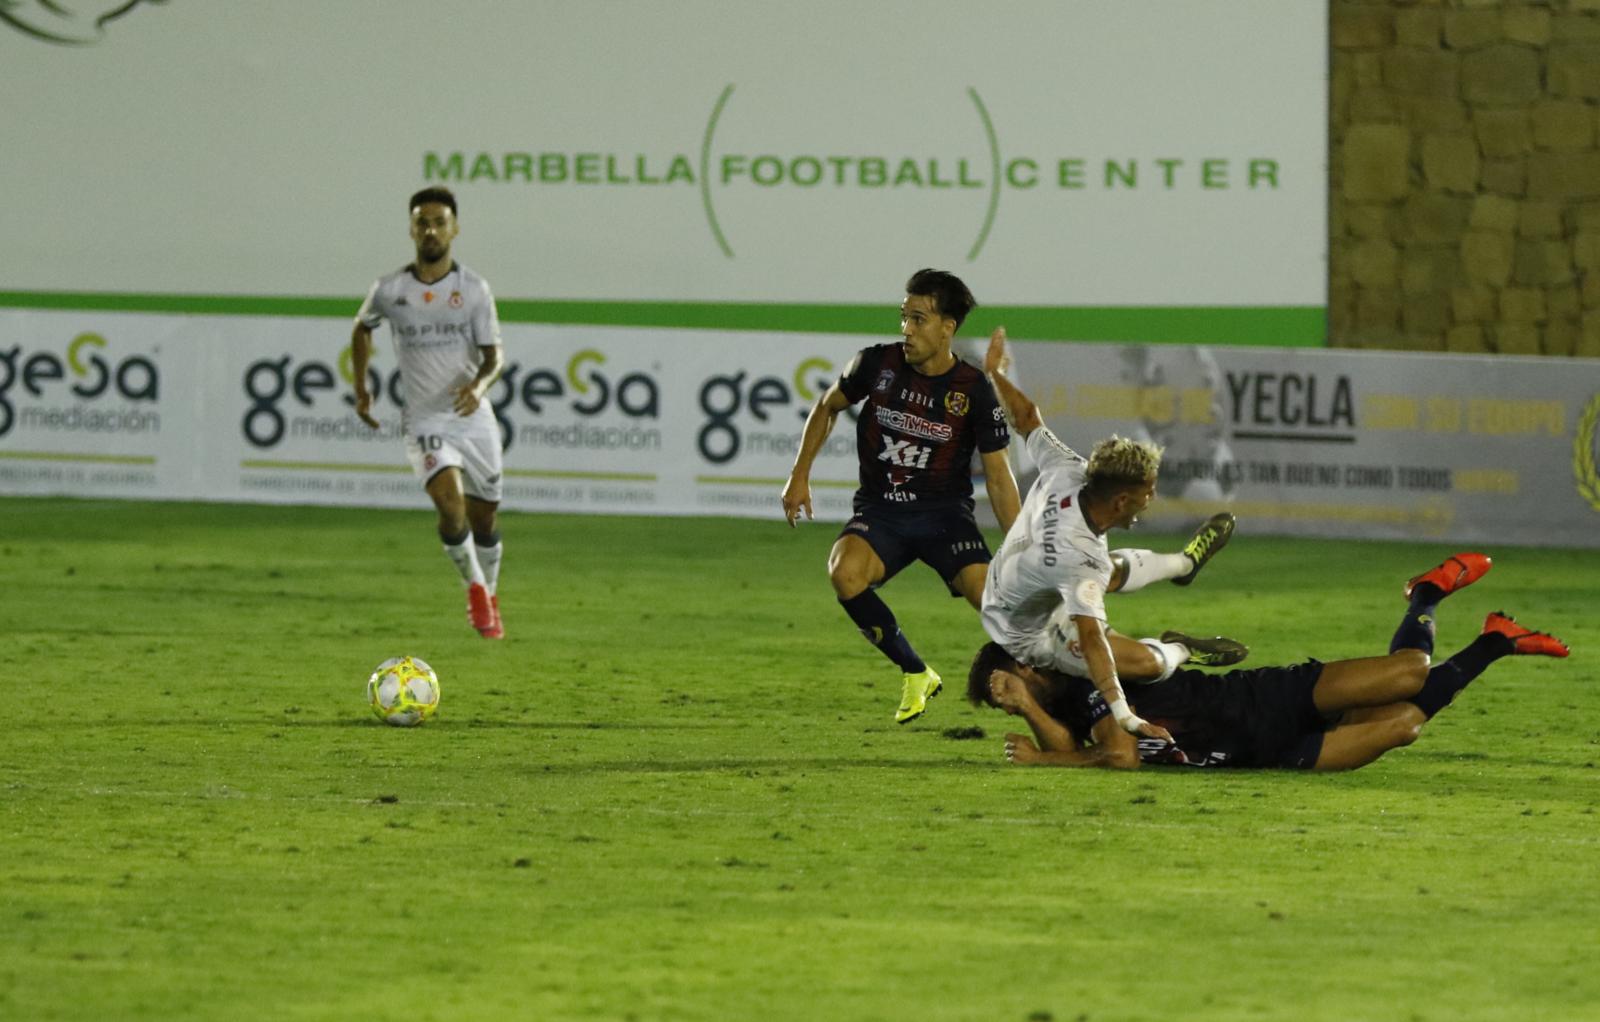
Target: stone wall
(1464, 173)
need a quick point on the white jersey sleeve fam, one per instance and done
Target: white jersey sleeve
(1047, 450)
(372, 314)
(485, 316)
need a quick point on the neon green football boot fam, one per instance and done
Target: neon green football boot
(914, 696)
(1211, 537)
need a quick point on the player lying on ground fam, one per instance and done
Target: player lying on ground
(1309, 716)
(924, 413)
(1044, 597)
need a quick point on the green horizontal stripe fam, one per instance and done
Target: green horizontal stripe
(96, 459)
(613, 477)
(1273, 326)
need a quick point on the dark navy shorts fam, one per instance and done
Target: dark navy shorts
(945, 540)
(1279, 714)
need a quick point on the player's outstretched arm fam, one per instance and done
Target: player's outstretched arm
(819, 423)
(1020, 411)
(360, 358)
(1004, 499)
(1113, 749)
(1103, 672)
(1053, 744)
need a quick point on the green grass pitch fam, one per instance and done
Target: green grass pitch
(675, 791)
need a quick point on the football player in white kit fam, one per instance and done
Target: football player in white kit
(447, 338)
(1044, 598)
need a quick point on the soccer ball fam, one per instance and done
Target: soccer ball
(403, 691)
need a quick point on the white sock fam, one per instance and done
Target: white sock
(1171, 654)
(465, 561)
(489, 561)
(1146, 566)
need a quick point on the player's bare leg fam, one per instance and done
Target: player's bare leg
(1370, 681)
(969, 583)
(451, 502)
(1136, 662)
(854, 568)
(1361, 736)
(481, 516)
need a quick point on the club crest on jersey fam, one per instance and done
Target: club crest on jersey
(455, 299)
(955, 403)
(429, 462)
(885, 378)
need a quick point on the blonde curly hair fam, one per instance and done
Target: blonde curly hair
(1119, 462)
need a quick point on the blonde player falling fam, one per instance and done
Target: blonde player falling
(447, 338)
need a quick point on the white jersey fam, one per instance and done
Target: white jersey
(437, 330)
(1052, 565)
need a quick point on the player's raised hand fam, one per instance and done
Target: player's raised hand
(796, 497)
(1009, 691)
(364, 407)
(1020, 749)
(467, 399)
(997, 359)
(1149, 730)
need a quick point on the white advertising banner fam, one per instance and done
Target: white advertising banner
(1372, 445)
(258, 409)
(1062, 152)
(600, 419)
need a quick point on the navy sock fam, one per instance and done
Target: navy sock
(879, 627)
(1450, 677)
(1416, 628)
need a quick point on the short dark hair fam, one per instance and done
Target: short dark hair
(436, 193)
(1056, 698)
(992, 657)
(950, 295)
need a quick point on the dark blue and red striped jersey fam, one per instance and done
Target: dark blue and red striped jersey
(1251, 717)
(1190, 705)
(916, 434)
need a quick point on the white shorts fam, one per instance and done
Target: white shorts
(470, 443)
(1056, 647)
